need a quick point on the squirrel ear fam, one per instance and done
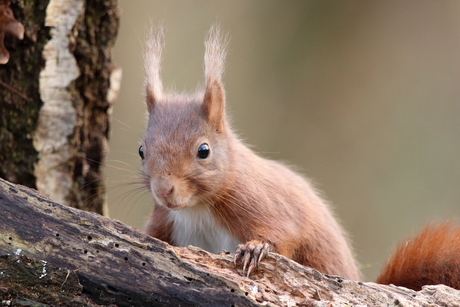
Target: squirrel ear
(152, 66)
(214, 105)
(214, 60)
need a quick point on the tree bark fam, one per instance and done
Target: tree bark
(45, 245)
(56, 92)
(19, 94)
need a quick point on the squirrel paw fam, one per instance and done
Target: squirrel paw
(250, 253)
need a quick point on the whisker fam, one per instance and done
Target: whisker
(125, 198)
(144, 192)
(126, 125)
(113, 166)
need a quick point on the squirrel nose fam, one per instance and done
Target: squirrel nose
(165, 191)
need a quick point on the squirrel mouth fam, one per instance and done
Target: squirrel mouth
(166, 203)
(170, 206)
(172, 203)
(173, 206)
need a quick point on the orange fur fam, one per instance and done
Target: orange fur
(233, 195)
(431, 257)
(158, 225)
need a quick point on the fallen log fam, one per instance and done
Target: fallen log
(80, 258)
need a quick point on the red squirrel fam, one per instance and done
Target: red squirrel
(212, 191)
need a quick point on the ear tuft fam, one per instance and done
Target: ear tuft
(152, 65)
(214, 61)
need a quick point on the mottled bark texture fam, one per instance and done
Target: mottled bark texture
(19, 94)
(94, 91)
(56, 92)
(48, 250)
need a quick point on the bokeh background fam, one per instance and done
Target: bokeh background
(361, 96)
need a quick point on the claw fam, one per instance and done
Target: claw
(245, 259)
(256, 254)
(237, 256)
(250, 268)
(263, 252)
(250, 255)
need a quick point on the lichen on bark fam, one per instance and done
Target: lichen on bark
(57, 117)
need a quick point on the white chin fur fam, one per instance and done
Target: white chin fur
(197, 226)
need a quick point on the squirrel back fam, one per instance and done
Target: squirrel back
(429, 258)
(212, 191)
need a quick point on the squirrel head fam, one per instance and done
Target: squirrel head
(186, 147)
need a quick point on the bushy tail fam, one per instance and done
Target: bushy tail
(431, 257)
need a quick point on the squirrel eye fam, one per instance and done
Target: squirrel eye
(141, 152)
(203, 151)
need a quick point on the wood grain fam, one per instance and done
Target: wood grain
(119, 266)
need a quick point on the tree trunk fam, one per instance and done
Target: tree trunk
(48, 250)
(56, 92)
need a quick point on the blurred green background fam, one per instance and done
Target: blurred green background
(361, 96)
